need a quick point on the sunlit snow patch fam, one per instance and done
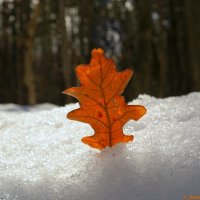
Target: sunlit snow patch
(42, 157)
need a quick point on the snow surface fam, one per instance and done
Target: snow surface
(42, 157)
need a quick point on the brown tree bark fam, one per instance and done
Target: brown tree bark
(192, 13)
(29, 77)
(64, 47)
(144, 38)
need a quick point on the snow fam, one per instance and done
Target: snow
(42, 157)
(10, 107)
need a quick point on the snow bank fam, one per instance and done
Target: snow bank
(42, 158)
(10, 107)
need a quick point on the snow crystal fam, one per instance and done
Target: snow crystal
(41, 156)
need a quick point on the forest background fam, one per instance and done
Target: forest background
(42, 41)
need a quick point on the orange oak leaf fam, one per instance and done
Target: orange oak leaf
(101, 104)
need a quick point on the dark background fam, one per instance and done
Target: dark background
(42, 41)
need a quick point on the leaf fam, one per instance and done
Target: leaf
(101, 104)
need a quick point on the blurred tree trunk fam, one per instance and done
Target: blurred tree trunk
(86, 17)
(178, 78)
(16, 52)
(29, 76)
(192, 13)
(4, 53)
(64, 48)
(160, 68)
(145, 38)
(173, 48)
